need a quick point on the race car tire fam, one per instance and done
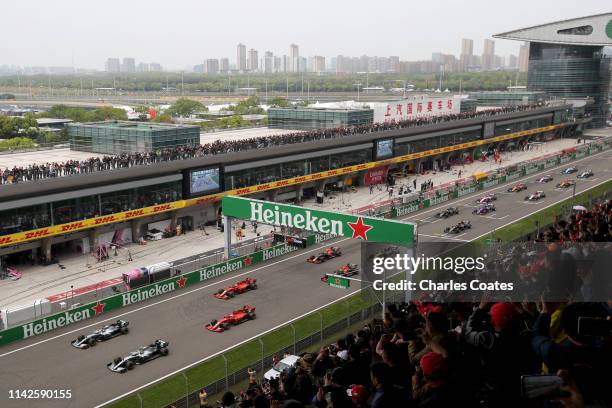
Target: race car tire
(163, 351)
(117, 360)
(129, 365)
(213, 322)
(91, 342)
(253, 286)
(252, 316)
(231, 294)
(124, 330)
(80, 338)
(220, 291)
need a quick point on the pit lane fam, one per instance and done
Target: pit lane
(288, 287)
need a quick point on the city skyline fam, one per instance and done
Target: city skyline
(410, 34)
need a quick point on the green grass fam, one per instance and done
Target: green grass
(547, 216)
(210, 371)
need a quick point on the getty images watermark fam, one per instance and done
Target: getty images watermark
(516, 272)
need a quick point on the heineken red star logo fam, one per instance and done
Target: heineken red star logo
(360, 230)
(247, 261)
(181, 282)
(99, 308)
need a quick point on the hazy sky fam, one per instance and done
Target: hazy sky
(182, 33)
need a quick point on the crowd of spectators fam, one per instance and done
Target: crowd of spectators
(32, 172)
(594, 225)
(447, 355)
(465, 354)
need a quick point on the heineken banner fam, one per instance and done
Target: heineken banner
(141, 294)
(465, 191)
(405, 209)
(320, 222)
(429, 202)
(512, 176)
(488, 183)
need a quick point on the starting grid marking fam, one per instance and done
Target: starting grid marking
(446, 236)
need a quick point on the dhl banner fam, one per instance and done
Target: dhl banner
(88, 223)
(21, 237)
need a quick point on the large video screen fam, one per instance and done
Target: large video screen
(384, 149)
(204, 181)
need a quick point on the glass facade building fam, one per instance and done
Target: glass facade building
(119, 137)
(571, 71)
(309, 118)
(81, 208)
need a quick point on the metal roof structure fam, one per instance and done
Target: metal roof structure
(593, 30)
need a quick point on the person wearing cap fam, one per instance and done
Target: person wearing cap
(430, 387)
(504, 351)
(359, 396)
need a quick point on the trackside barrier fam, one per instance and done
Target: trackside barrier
(111, 303)
(219, 372)
(77, 314)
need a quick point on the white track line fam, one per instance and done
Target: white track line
(267, 331)
(220, 352)
(98, 322)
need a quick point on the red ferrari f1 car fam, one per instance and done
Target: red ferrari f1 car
(346, 271)
(238, 288)
(236, 317)
(329, 253)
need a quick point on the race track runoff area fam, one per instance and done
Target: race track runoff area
(288, 287)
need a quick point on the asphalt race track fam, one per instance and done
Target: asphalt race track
(288, 288)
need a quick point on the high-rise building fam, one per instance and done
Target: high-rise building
(212, 66)
(224, 66)
(253, 60)
(128, 65)
(294, 58)
(285, 64)
(155, 67)
(436, 57)
(268, 65)
(523, 61)
(302, 64)
(277, 64)
(512, 61)
(142, 67)
(567, 61)
(488, 55)
(467, 52)
(318, 64)
(394, 64)
(112, 65)
(241, 58)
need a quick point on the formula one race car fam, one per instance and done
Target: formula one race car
(345, 271)
(107, 332)
(236, 289)
(447, 212)
(517, 187)
(484, 209)
(236, 317)
(459, 227)
(535, 196)
(566, 183)
(329, 253)
(585, 174)
(545, 179)
(487, 199)
(144, 354)
(569, 170)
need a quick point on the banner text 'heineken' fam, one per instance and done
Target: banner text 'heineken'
(320, 222)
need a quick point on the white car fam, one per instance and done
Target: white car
(545, 179)
(279, 367)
